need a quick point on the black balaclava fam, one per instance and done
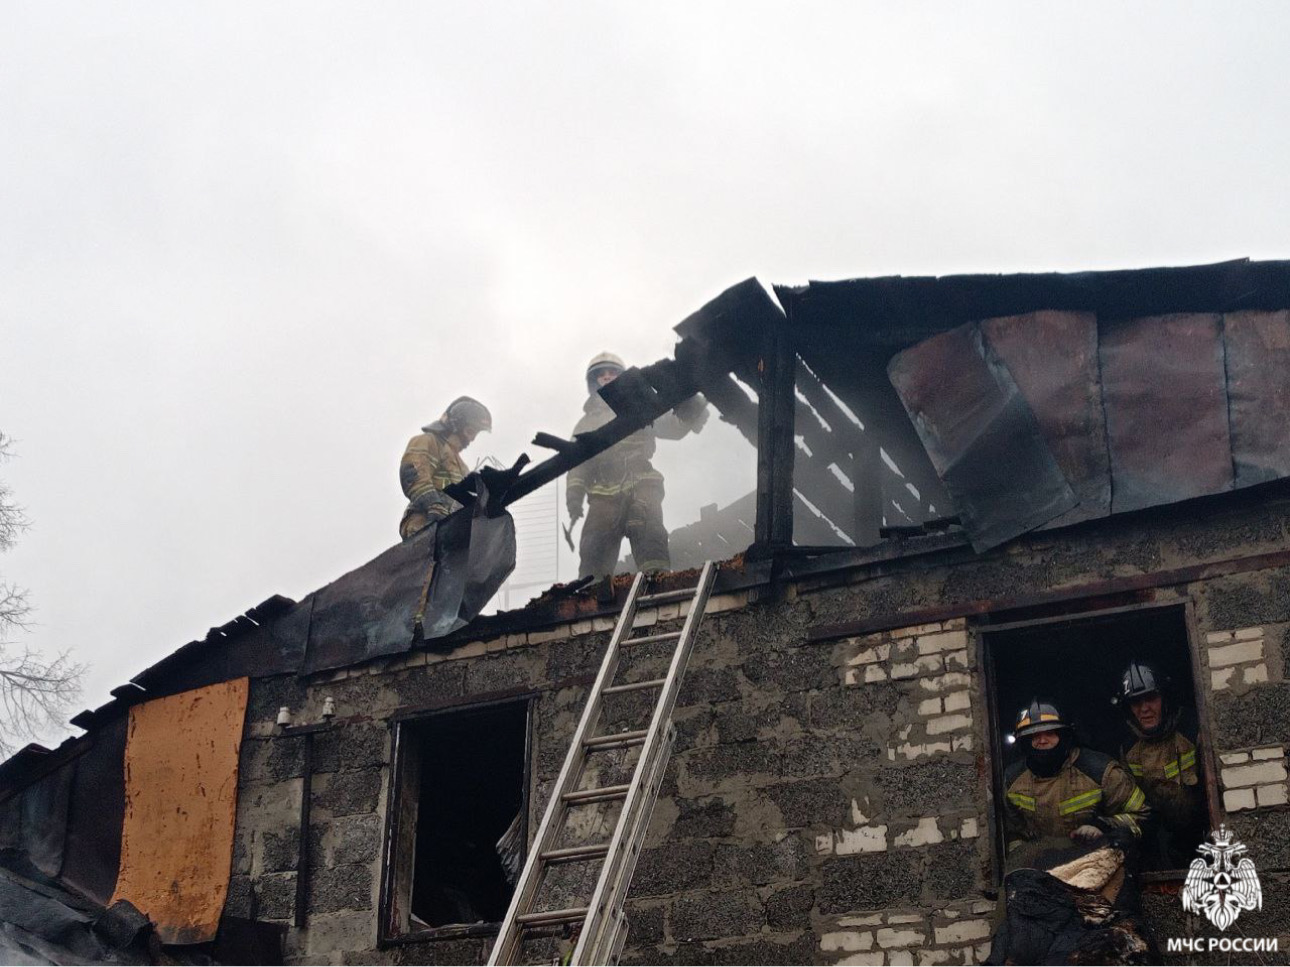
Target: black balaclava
(1046, 762)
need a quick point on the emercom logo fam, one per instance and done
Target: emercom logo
(1224, 945)
(1222, 887)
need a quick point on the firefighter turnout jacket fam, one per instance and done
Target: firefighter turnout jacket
(627, 463)
(430, 463)
(1089, 789)
(1164, 765)
(624, 492)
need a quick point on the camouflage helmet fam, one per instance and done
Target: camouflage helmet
(599, 364)
(1039, 716)
(465, 414)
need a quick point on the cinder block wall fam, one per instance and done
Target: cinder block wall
(827, 802)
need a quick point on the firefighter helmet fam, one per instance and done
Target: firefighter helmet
(602, 362)
(1039, 716)
(466, 414)
(1138, 679)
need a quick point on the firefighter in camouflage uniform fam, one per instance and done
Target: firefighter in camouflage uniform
(1163, 761)
(1062, 792)
(432, 461)
(623, 491)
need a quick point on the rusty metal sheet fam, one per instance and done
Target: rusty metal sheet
(181, 762)
(1165, 395)
(370, 611)
(1258, 393)
(1052, 357)
(981, 435)
(92, 853)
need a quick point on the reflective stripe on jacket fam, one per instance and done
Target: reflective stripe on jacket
(1089, 788)
(627, 462)
(1165, 767)
(430, 463)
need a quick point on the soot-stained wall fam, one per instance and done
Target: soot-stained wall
(827, 801)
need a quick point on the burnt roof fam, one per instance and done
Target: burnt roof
(243, 646)
(875, 317)
(897, 310)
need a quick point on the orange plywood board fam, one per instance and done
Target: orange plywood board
(181, 759)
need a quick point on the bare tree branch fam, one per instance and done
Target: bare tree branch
(15, 611)
(35, 694)
(12, 519)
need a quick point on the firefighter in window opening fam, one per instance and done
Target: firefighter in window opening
(432, 461)
(1060, 791)
(624, 492)
(1073, 818)
(1163, 761)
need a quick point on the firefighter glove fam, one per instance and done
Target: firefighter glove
(573, 498)
(693, 412)
(435, 504)
(1087, 834)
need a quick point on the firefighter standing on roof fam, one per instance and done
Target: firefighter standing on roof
(623, 491)
(1062, 791)
(1163, 761)
(432, 461)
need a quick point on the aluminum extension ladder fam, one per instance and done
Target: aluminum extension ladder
(604, 926)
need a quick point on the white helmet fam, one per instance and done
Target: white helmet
(600, 363)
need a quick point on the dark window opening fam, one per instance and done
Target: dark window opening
(460, 819)
(1078, 664)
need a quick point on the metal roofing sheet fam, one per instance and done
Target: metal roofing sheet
(1258, 393)
(1164, 390)
(981, 435)
(1052, 357)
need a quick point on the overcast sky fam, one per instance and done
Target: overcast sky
(247, 249)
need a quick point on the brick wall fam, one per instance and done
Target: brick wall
(826, 802)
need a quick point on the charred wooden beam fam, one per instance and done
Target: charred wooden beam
(552, 442)
(637, 403)
(733, 404)
(814, 481)
(843, 359)
(775, 445)
(722, 329)
(867, 500)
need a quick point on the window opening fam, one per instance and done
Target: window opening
(460, 824)
(1078, 666)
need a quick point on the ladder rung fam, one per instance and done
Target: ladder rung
(614, 739)
(572, 915)
(603, 925)
(666, 636)
(634, 686)
(604, 794)
(573, 854)
(667, 597)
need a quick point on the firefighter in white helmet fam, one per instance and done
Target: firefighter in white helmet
(623, 491)
(432, 461)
